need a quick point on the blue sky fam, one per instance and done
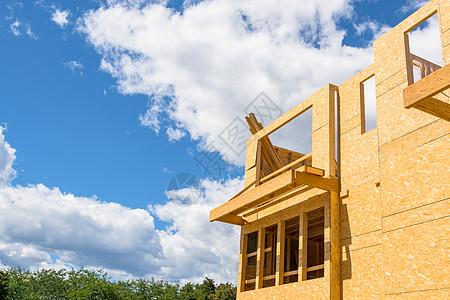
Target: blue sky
(107, 101)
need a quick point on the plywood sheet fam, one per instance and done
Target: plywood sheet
(361, 211)
(361, 274)
(416, 257)
(416, 177)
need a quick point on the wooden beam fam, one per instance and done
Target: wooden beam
(315, 268)
(275, 187)
(426, 88)
(327, 184)
(232, 219)
(311, 170)
(269, 152)
(434, 107)
(286, 167)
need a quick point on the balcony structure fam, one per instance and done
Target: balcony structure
(365, 214)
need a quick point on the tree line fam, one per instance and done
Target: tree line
(49, 284)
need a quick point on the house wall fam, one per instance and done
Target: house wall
(395, 184)
(394, 223)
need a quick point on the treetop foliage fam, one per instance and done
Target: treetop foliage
(49, 284)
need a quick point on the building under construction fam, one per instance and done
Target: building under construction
(365, 215)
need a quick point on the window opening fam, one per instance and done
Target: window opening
(270, 256)
(291, 250)
(368, 104)
(289, 143)
(425, 48)
(250, 256)
(315, 245)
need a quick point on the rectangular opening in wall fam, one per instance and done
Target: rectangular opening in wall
(425, 48)
(250, 256)
(315, 244)
(287, 144)
(270, 256)
(368, 104)
(291, 250)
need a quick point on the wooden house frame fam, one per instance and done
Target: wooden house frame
(371, 219)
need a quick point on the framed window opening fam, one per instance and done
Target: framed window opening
(315, 249)
(368, 105)
(423, 48)
(250, 261)
(290, 251)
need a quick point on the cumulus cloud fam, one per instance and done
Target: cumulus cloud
(7, 158)
(202, 68)
(41, 227)
(60, 17)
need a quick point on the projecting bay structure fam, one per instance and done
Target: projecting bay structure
(365, 215)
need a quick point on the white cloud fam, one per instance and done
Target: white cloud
(29, 32)
(175, 134)
(412, 5)
(425, 41)
(38, 223)
(201, 68)
(193, 247)
(7, 158)
(375, 28)
(74, 65)
(60, 17)
(15, 27)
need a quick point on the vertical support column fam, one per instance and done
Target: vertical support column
(242, 262)
(258, 165)
(279, 271)
(260, 259)
(304, 236)
(331, 130)
(409, 65)
(335, 240)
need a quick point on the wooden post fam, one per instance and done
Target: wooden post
(242, 262)
(335, 240)
(304, 244)
(260, 259)
(280, 254)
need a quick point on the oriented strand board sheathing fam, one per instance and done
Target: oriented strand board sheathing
(359, 157)
(359, 242)
(361, 211)
(416, 257)
(311, 289)
(420, 295)
(417, 215)
(444, 16)
(416, 177)
(361, 276)
(394, 120)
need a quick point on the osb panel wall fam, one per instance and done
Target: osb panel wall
(360, 211)
(414, 175)
(394, 120)
(416, 257)
(362, 266)
(444, 20)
